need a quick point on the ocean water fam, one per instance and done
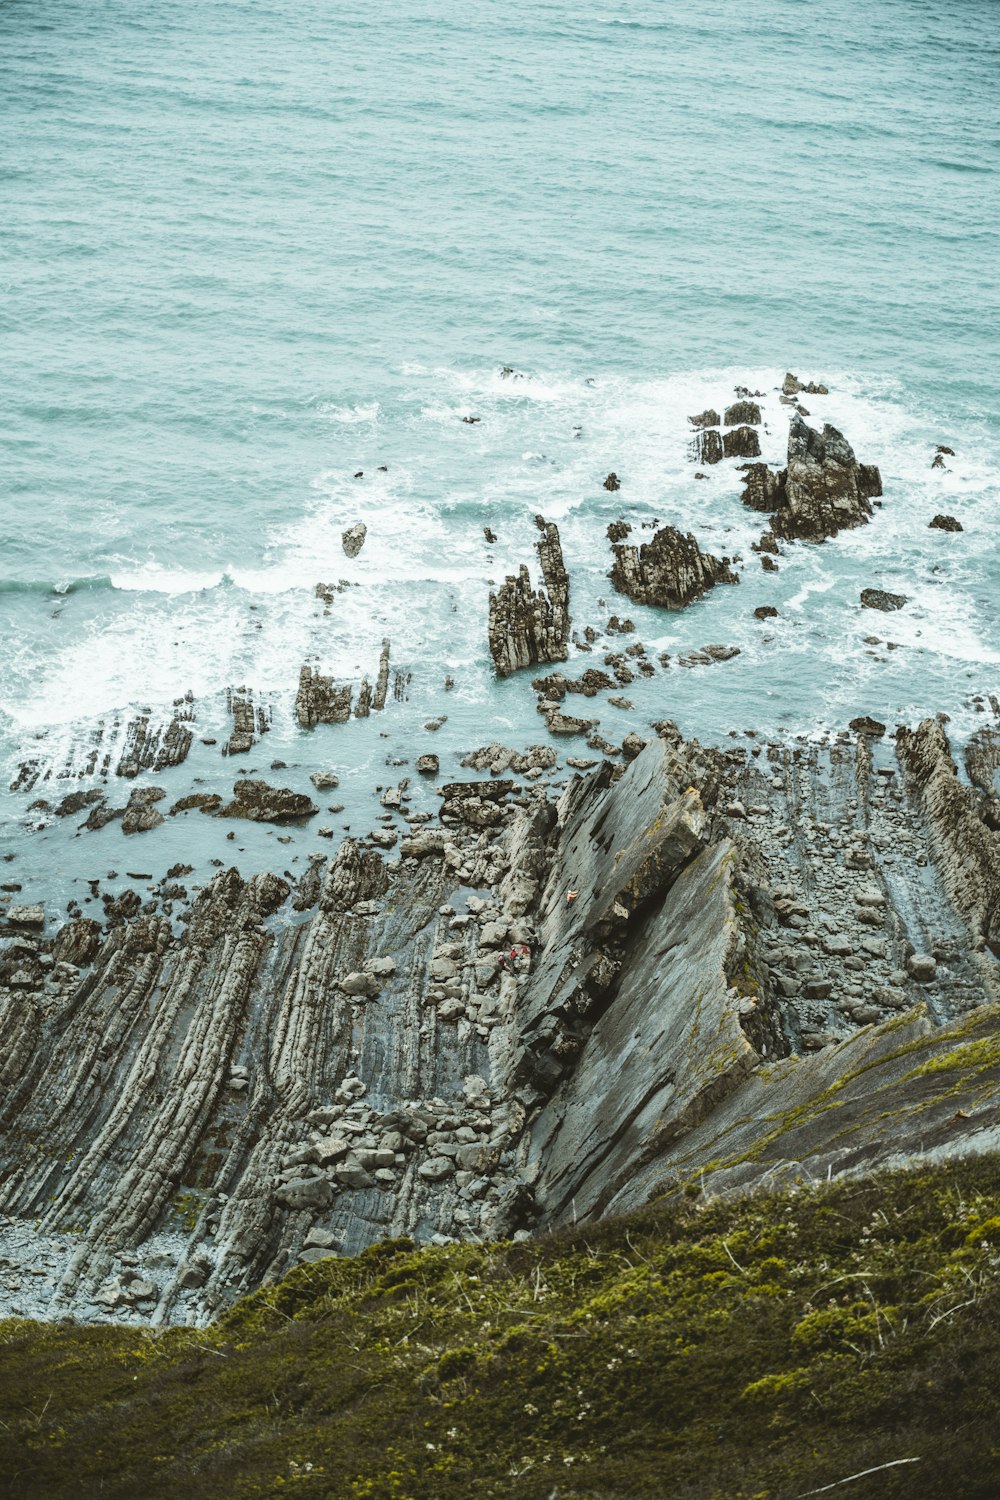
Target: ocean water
(249, 250)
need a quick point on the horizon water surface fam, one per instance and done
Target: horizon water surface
(247, 251)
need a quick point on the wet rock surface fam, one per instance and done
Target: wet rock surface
(822, 490)
(670, 570)
(531, 1012)
(526, 626)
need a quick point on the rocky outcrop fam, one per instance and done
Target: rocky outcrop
(320, 701)
(260, 803)
(741, 442)
(527, 627)
(697, 963)
(353, 538)
(822, 490)
(792, 386)
(742, 414)
(945, 523)
(250, 719)
(879, 599)
(670, 570)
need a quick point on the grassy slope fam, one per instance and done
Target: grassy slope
(762, 1347)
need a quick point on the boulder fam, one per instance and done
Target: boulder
(879, 599)
(428, 765)
(612, 482)
(742, 442)
(26, 916)
(305, 1192)
(353, 539)
(868, 726)
(260, 803)
(708, 418)
(946, 523)
(765, 612)
(324, 781)
(670, 570)
(921, 967)
(742, 414)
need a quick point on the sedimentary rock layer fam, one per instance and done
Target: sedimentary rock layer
(700, 962)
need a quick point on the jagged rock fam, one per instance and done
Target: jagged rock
(428, 765)
(77, 942)
(525, 626)
(612, 482)
(765, 612)
(353, 539)
(633, 745)
(792, 386)
(618, 531)
(764, 488)
(741, 442)
(707, 447)
(742, 413)
(879, 599)
(140, 815)
(559, 723)
(670, 570)
(75, 802)
(318, 701)
(825, 488)
(708, 418)
(260, 803)
(205, 802)
(868, 726)
(946, 523)
(249, 720)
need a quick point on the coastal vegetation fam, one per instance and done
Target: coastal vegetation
(761, 1348)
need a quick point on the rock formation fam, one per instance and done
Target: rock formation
(670, 570)
(737, 962)
(260, 803)
(528, 627)
(879, 599)
(319, 701)
(353, 538)
(946, 523)
(822, 490)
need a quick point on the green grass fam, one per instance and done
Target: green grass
(734, 1350)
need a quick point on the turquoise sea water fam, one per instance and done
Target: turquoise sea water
(247, 250)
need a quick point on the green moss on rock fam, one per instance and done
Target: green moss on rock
(701, 1350)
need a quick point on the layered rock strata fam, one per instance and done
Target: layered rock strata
(527, 627)
(727, 964)
(670, 570)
